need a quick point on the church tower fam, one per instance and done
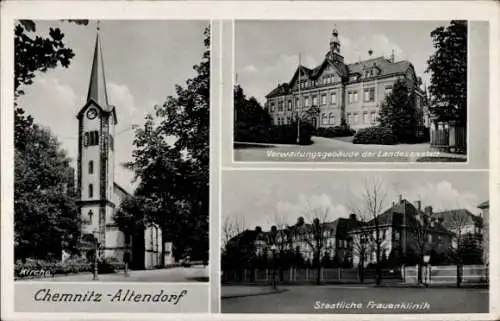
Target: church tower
(96, 128)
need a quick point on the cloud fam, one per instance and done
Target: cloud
(249, 69)
(379, 43)
(122, 98)
(309, 207)
(49, 101)
(443, 196)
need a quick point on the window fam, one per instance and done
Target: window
(91, 167)
(324, 119)
(91, 138)
(356, 118)
(91, 190)
(388, 90)
(373, 117)
(323, 99)
(331, 119)
(315, 100)
(297, 102)
(333, 98)
(289, 105)
(272, 106)
(284, 121)
(288, 120)
(306, 103)
(369, 94)
(365, 118)
(429, 238)
(384, 234)
(280, 106)
(355, 96)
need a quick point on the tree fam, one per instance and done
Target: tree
(314, 235)
(46, 218)
(448, 69)
(252, 121)
(230, 229)
(398, 112)
(362, 242)
(419, 230)
(175, 174)
(373, 200)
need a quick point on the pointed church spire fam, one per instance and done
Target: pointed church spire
(97, 86)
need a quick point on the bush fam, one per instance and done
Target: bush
(337, 131)
(42, 268)
(375, 135)
(110, 265)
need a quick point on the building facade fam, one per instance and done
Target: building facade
(99, 195)
(335, 93)
(407, 231)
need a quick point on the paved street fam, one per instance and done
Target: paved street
(364, 299)
(177, 274)
(337, 150)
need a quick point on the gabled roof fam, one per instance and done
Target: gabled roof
(451, 215)
(385, 66)
(115, 185)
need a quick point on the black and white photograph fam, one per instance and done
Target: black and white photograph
(355, 242)
(350, 91)
(111, 139)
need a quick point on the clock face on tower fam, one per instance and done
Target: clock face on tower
(91, 113)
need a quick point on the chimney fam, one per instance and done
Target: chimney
(393, 203)
(428, 210)
(392, 56)
(400, 198)
(419, 205)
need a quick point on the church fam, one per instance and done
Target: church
(336, 93)
(99, 196)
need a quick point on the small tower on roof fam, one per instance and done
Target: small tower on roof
(334, 53)
(334, 41)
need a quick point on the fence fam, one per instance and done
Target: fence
(469, 274)
(307, 275)
(448, 137)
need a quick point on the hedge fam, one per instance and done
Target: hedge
(31, 268)
(375, 135)
(337, 131)
(277, 134)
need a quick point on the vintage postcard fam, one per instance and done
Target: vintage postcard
(167, 160)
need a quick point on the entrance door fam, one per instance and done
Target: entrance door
(315, 122)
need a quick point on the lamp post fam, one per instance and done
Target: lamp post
(273, 250)
(96, 249)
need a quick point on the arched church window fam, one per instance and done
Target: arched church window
(91, 190)
(91, 167)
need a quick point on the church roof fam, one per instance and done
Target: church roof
(97, 84)
(97, 94)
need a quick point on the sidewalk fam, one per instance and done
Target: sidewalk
(237, 291)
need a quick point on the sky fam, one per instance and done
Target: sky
(267, 52)
(286, 195)
(143, 60)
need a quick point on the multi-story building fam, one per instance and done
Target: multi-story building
(335, 93)
(405, 232)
